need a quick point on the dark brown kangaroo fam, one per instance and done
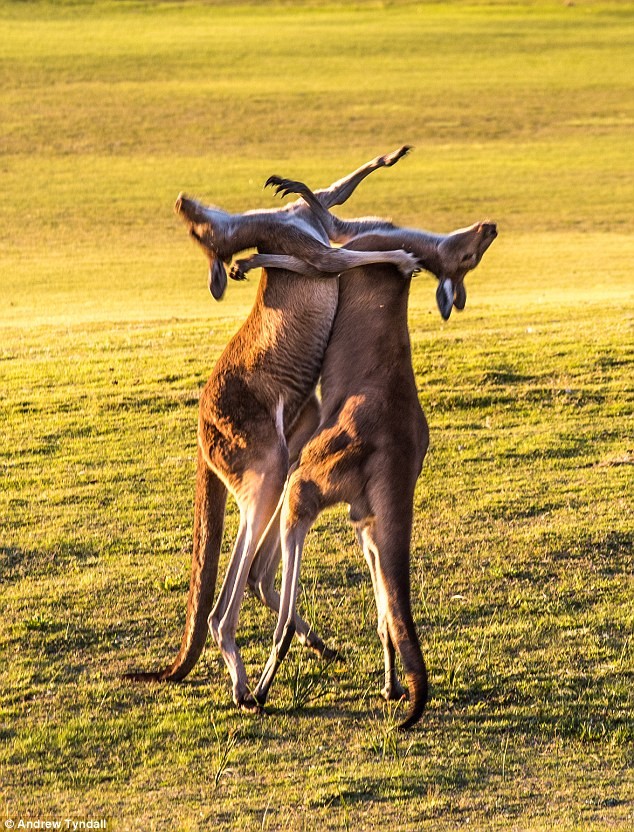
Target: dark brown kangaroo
(258, 407)
(369, 448)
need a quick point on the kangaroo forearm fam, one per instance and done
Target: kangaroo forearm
(340, 259)
(325, 264)
(422, 244)
(342, 189)
(281, 261)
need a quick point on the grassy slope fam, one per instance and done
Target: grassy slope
(523, 539)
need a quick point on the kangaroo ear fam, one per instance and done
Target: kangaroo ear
(217, 278)
(444, 297)
(460, 297)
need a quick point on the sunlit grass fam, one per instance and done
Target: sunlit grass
(522, 547)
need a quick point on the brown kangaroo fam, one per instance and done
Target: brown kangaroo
(369, 448)
(258, 407)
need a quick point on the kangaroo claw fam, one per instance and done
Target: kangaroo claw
(273, 180)
(236, 272)
(392, 158)
(283, 187)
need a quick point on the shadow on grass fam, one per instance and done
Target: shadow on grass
(17, 564)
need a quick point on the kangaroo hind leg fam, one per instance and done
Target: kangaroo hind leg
(296, 518)
(389, 538)
(392, 690)
(342, 189)
(317, 261)
(261, 582)
(257, 495)
(262, 574)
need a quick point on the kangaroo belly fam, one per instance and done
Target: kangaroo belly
(279, 350)
(293, 356)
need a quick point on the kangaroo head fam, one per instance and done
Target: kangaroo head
(459, 253)
(200, 221)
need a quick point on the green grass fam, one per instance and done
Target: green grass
(522, 548)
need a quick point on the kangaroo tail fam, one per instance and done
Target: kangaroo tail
(209, 513)
(416, 676)
(404, 638)
(418, 693)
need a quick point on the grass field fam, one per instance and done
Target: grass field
(523, 541)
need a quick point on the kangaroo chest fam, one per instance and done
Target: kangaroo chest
(282, 344)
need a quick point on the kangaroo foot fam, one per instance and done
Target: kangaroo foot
(315, 644)
(328, 653)
(394, 692)
(250, 704)
(331, 655)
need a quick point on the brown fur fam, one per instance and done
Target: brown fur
(258, 407)
(370, 445)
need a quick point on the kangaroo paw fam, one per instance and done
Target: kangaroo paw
(284, 187)
(408, 264)
(236, 272)
(392, 158)
(277, 182)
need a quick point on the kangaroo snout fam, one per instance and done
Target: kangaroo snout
(188, 209)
